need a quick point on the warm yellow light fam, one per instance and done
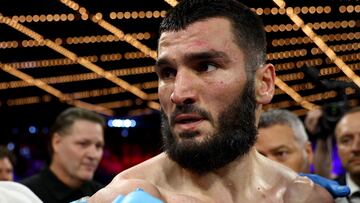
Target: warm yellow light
(141, 14)
(127, 15)
(22, 18)
(56, 17)
(156, 14)
(357, 8)
(82, 11)
(350, 9)
(267, 11)
(49, 17)
(134, 14)
(327, 9)
(71, 17)
(297, 10)
(259, 11)
(148, 14)
(304, 10)
(320, 9)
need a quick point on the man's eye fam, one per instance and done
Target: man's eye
(282, 154)
(83, 144)
(345, 140)
(167, 73)
(206, 67)
(99, 146)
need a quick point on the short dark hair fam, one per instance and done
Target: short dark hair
(5, 153)
(67, 118)
(350, 111)
(248, 28)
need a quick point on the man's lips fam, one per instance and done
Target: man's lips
(188, 121)
(187, 118)
(90, 166)
(355, 161)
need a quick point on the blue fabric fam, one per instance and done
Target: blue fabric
(331, 186)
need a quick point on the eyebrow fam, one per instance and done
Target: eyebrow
(279, 147)
(160, 62)
(200, 56)
(206, 56)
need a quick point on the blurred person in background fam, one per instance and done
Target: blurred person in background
(76, 148)
(7, 162)
(314, 122)
(282, 138)
(347, 134)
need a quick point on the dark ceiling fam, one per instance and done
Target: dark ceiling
(337, 22)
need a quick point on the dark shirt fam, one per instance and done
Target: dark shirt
(341, 179)
(51, 190)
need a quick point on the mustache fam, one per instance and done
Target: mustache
(355, 156)
(189, 108)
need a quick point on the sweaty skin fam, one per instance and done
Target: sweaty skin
(164, 179)
(251, 178)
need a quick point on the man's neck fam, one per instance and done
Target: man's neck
(64, 177)
(234, 176)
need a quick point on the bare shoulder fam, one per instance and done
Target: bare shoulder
(123, 187)
(292, 187)
(303, 190)
(144, 176)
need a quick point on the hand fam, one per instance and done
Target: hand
(331, 186)
(312, 120)
(138, 196)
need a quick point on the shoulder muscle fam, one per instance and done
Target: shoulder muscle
(303, 190)
(123, 187)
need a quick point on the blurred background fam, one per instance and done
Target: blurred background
(99, 55)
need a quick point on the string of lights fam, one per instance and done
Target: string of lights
(53, 91)
(98, 18)
(86, 63)
(289, 59)
(320, 43)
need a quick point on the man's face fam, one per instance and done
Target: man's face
(207, 100)
(278, 143)
(6, 169)
(348, 141)
(78, 153)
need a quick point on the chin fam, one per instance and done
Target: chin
(354, 169)
(86, 176)
(198, 139)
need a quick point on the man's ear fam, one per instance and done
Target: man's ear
(309, 152)
(55, 141)
(265, 83)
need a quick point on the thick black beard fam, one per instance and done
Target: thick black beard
(235, 136)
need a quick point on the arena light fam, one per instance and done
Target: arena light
(32, 129)
(121, 123)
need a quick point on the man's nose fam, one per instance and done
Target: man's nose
(356, 143)
(94, 152)
(185, 88)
